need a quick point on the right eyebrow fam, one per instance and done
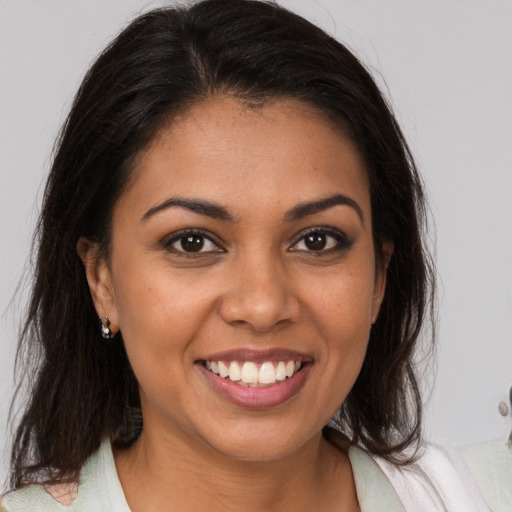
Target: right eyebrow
(200, 206)
(310, 208)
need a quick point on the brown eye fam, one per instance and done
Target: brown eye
(315, 241)
(192, 243)
(322, 240)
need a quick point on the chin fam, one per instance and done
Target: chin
(259, 444)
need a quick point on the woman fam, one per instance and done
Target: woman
(233, 199)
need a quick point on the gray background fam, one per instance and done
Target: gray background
(447, 68)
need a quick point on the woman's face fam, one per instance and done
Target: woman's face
(242, 245)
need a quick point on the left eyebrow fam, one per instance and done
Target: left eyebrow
(304, 209)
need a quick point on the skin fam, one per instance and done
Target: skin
(255, 285)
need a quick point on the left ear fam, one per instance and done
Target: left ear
(381, 272)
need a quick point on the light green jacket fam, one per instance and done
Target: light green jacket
(442, 480)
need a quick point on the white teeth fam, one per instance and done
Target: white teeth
(223, 370)
(250, 374)
(234, 371)
(281, 371)
(267, 374)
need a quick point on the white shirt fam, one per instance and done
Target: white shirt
(473, 479)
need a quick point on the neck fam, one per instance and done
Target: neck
(158, 473)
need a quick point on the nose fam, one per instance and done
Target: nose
(260, 295)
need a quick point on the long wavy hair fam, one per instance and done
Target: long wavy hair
(77, 389)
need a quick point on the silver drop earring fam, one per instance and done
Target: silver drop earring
(106, 332)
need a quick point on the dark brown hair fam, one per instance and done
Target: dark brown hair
(82, 389)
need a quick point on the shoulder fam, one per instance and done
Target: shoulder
(491, 466)
(99, 489)
(472, 479)
(32, 498)
(444, 478)
(438, 480)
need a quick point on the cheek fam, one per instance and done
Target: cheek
(160, 323)
(159, 315)
(341, 309)
(346, 331)
(343, 302)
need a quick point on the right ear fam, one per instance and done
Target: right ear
(99, 279)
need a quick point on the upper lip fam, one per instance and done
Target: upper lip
(258, 355)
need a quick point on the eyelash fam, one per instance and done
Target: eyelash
(342, 241)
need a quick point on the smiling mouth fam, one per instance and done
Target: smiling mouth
(255, 375)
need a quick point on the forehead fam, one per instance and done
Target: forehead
(273, 155)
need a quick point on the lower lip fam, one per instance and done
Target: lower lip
(257, 398)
